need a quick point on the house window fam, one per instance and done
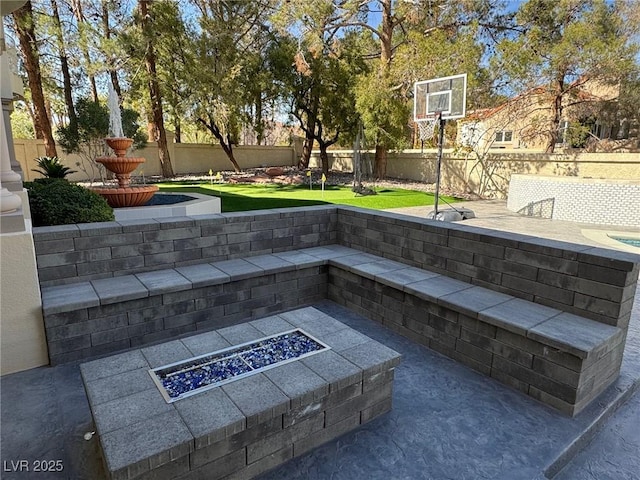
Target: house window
(504, 136)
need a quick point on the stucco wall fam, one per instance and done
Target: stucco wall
(607, 202)
(489, 177)
(185, 158)
(22, 339)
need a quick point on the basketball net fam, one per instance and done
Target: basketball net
(426, 128)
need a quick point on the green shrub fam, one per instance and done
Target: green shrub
(55, 201)
(51, 167)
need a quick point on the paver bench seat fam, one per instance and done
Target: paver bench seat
(247, 426)
(559, 358)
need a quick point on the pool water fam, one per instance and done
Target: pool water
(634, 242)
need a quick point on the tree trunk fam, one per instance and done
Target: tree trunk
(178, 130)
(307, 146)
(64, 65)
(386, 37)
(259, 125)
(226, 145)
(324, 158)
(23, 18)
(154, 92)
(309, 129)
(77, 11)
(380, 169)
(556, 115)
(107, 34)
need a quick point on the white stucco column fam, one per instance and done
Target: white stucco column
(9, 202)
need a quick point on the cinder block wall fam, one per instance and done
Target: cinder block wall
(592, 282)
(75, 253)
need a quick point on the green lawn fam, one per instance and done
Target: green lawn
(237, 198)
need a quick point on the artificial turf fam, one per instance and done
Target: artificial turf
(241, 197)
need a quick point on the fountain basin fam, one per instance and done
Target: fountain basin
(198, 205)
(127, 197)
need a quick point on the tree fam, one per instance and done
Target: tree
(221, 52)
(64, 63)
(84, 32)
(155, 94)
(566, 45)
(25, 29)
(443, 28)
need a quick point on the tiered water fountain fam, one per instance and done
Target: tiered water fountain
(122, 195)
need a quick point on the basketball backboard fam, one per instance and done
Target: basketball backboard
(445, 95)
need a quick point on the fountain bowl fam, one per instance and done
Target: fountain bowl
(118, 197)
(120, 165)
(119, 145)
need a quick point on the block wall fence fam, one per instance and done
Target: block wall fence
(488, 178)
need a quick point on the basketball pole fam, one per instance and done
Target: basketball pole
(441, 122)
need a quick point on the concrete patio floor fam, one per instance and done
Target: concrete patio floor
(447, 422)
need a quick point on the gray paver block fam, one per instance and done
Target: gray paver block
(65, 298)
(344, 339)
(334, 368)
(300, 259)
(165, 353)
(272, 325)
(380, 267)
(303, 429)
(271, 263)
(372, 355)
(205, 343)
(299, 383)
(473, 300)
(242, 333)
(576, 335)
(328, 252)
(120, 385)
(257, 397)
(129, 410)
(352, 260)
(404, 276)
(119, 289)
(145, 440)
(203, 275)
(313, 321)
(210, 416)
(238, 269)
(113, 365)
(517, 315)
(433, 288)
(163, 281)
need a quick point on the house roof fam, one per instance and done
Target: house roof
(581, 93)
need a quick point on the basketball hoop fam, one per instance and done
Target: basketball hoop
(436, 101)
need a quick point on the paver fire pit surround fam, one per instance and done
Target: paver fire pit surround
(198, 374)
(245, 427)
